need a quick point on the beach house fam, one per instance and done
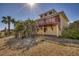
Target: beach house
(51, 23)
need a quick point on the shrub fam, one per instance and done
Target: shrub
(70, 33)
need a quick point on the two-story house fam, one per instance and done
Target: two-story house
(51, 23)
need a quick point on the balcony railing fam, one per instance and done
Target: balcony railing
(49, 21)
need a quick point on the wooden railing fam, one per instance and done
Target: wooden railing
(49, 21)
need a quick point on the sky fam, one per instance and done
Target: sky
(23, 11)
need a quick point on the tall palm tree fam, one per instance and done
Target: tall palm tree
(8, 20)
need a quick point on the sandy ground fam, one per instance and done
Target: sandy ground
(46, 48)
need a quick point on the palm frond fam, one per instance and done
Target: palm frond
(4, 20)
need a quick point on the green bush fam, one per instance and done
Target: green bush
(70, 33)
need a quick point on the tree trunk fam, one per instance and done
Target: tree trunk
(9, 28)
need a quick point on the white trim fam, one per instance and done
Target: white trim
(57, 30)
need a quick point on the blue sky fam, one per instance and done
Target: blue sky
(21, 11)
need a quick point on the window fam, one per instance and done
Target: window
(50, 12)
(45, 14)
(41, 16)
(57, 19)
(45, 29)
(52, 28)
(37, 30)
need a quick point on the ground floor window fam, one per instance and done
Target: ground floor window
(45, 29)
(52, 28)
(37, 30)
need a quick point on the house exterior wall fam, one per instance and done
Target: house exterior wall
(63, 22)
(57, 28)
(54, 30)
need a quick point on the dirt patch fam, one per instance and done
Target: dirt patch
(43, 48)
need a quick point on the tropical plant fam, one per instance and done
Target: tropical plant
(18, 29)
(8, 20)
(25, 28)
(72, 32)
(29, 27)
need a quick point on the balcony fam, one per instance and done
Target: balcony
(49, 21)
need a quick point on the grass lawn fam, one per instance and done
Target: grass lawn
(45, 48)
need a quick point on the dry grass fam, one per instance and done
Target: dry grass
(42, 49)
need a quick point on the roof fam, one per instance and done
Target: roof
(64, 15)
(62, 12)
(48, 11)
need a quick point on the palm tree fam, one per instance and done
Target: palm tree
(24, 28)
(29, 26)
(18, 29)
(8, 20)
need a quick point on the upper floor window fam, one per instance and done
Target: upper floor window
(57, 19)
(50, 12)
(45, 14)
(41, 16)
